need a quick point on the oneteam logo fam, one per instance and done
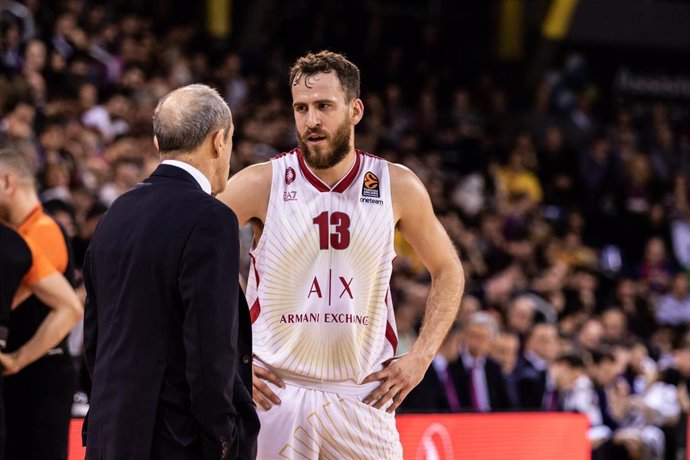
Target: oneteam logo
(290, 175)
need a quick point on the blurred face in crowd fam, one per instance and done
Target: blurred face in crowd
(681, 361)
(520, 315)
(324, 119)
(127, 174)
(655, 252)
(614, 324)
(605, 372)
(478, 340)
(544, 342)
(590, 335)
(35, 56)
(564, 375)
(638, 357)
(679, 288)
(450, 348)
(504, 350)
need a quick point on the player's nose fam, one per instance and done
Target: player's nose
(313, 119)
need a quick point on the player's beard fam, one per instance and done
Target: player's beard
(318, 157)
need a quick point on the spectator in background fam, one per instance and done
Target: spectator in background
(674, 308)
(518, 187)
(437, 391)
(615, 325)
(536, 387)
(505, 350)
(520, 316)
(127, 172)
(656, 271)
(478, 378)
(578, 395)
(590, 335)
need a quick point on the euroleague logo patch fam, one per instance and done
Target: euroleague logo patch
(370, 187)
(289, 175)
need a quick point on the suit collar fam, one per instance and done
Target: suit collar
(196, 174)
(173, 172)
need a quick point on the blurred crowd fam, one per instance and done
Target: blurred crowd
(572, 218)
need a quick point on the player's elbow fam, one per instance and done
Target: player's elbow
(450, 273)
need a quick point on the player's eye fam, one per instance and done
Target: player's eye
(300, 108)
(323, 106)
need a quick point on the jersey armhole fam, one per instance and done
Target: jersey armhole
(390, 198)
(260, 243)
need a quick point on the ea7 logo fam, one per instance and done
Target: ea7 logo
(289, 195)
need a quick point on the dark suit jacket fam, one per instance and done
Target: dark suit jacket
(167, 335)
(531, 384)
(495, 381)
(428, 396)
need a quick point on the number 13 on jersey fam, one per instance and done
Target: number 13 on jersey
(340, 237)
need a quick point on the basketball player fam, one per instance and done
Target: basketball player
(324, 216)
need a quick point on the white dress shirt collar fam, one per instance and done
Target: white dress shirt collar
(196, 174)
(440, 364)
(469, 361)
(538, 363)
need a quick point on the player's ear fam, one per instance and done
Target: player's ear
(155, 143)
(357, 111)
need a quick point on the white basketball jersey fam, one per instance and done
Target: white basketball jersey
(319, 277)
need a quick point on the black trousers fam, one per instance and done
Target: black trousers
(38, 404)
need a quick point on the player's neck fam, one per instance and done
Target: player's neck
(332, 176)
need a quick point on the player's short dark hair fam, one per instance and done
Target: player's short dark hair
(327, 62)
(571, 360)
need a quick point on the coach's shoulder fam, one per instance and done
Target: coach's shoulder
(215, 209)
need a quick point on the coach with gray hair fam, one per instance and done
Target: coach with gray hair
(166, 330)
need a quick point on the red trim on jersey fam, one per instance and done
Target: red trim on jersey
(341, 186)
(350, 177)
(255, 311)
(366, 154)
(311, 178)
(390, 335)
(281, 155)
(256, 272)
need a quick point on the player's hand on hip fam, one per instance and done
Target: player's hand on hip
(262, 393)
(398, 378)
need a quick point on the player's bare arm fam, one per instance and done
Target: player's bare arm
(417, 222)
(247, 195)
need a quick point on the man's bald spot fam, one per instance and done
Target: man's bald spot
(186, 116)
